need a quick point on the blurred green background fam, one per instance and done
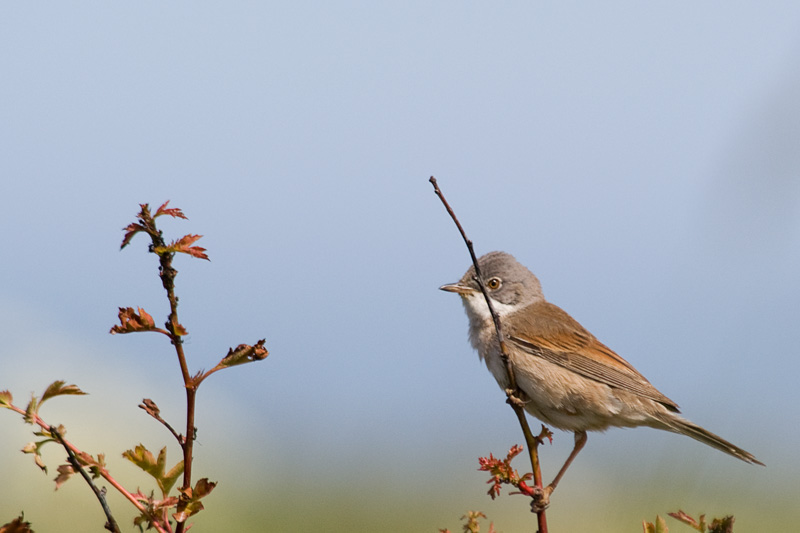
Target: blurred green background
(641, 159)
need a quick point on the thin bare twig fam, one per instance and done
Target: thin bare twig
(515, 396)
(111, 524)
(479, 279)
(150, 407)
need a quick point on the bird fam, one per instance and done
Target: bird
(567, 378)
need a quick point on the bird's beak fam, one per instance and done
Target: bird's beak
(455, 287)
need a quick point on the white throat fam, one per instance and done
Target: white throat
(476, 306)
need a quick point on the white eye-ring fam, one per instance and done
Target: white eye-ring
(494, 283)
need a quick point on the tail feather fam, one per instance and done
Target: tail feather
(680, 425)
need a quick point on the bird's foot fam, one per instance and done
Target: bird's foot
(541, 498)
(516, 397)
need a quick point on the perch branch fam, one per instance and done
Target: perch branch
(515, 396)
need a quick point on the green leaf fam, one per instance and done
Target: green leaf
(141, 457)
(34, 448)
(31, 410)
(57, 388)
(659, 527)
(472, 525)
(169, 479)
(95, 465)
(6, 399)
(144, 459)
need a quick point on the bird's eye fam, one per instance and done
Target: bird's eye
(494, 283)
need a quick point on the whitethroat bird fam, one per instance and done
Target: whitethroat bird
(569, 379)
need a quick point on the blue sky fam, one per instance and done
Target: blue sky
(641, 159)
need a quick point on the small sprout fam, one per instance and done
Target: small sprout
(502, 472)
(6, 399)
(244, 353)
(131, 322)
(659, 527)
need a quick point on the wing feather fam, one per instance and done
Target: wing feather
(566, 343)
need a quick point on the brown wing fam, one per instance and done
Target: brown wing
(556, 337)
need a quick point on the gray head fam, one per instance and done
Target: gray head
(510, 285)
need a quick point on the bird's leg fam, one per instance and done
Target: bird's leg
(580, 442)
(542, 499)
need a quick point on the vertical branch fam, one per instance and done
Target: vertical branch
(513, 393)
(175, 331)
(168, 273)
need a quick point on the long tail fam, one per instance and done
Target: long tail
(680, 425)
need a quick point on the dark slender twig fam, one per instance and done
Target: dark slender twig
(479, 279)
(111, 524)
(150, 407)
(168, 273)
(515, 396)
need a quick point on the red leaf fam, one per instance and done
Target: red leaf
(18, 525)
(502, 472)
(683, 517)
(190, 503)
(203, 488)
(173, 212)
(184, 246)
(131, 322)
(131, 229)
